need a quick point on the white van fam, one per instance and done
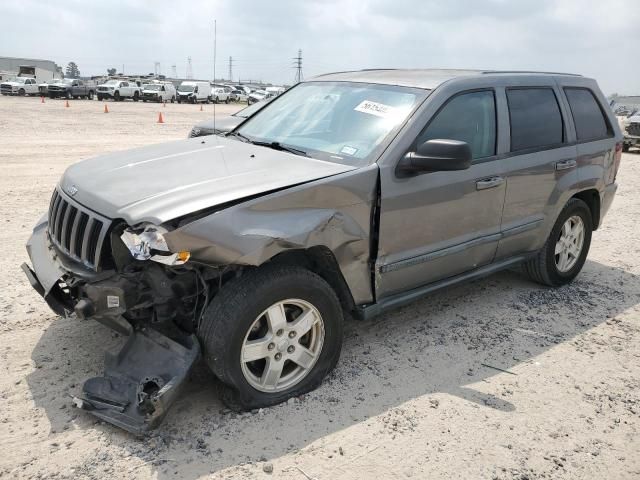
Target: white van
(194, 92)
(159, 92)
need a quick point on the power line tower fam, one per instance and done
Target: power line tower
(297, 64)
(189, 69)
(231, 69)
(174, 71)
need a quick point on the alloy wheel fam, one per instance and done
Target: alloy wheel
(569, 244)
(282, 345)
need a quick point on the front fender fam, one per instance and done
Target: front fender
(333, 212)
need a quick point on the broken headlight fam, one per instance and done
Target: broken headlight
(148, 243)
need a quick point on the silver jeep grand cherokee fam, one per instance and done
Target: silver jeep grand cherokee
(352, 193)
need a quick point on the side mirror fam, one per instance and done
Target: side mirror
(435, 156)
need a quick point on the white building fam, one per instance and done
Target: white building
(45, 70)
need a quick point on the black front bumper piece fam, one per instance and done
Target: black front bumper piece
(141, 381)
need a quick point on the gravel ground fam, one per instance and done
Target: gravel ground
(496, 379)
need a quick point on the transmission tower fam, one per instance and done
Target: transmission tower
(189, 69)
(297, 64)
(231, 69)
(174, 72)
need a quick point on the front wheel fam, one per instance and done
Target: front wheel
(565, 251)
(21, 92)
(90, 95)
(271, 334)
(116, 97)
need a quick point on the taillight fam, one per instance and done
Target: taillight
(616, 159)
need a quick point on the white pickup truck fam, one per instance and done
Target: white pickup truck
(119, 90)
(19, 86)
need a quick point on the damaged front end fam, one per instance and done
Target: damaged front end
(155, 304)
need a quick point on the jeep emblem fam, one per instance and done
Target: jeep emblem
(72, 190)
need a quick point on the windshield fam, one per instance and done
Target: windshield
(246, 112)
(152, 86)
(67, 81)
(112, 82)
(19, 80)
(336, 121)
(185, 88)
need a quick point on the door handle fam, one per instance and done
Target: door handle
(566, 164)
(489, 183)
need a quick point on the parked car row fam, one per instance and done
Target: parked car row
(189, 91)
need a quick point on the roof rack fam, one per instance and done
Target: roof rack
(530, 72)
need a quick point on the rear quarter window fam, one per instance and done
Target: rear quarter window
(536, 121)
(587, 114)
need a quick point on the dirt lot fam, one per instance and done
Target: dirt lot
(416, 394)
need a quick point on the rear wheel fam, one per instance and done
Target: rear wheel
(173, 99)
(565, 251)
(90, 95)
(116, 96)
(136, 96)
(272, 334)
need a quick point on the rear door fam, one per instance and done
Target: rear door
(540, 165)
(440, 224)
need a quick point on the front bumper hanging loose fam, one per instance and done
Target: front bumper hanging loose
(143, 379)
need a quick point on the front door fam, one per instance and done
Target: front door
(437, 225)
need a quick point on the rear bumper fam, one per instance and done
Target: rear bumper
(607, 199)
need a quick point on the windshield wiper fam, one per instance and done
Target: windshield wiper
(274, 145)
(240, 136)
(279, 146)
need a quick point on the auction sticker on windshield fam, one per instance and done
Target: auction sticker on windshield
(373, 108)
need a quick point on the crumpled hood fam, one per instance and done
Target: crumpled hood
(161, 182)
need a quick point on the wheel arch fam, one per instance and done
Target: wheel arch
(592, 198)
(320, 260)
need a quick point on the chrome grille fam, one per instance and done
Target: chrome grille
(77, 231)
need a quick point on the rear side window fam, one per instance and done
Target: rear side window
(587, 115)
(535, 117)
(468, 117)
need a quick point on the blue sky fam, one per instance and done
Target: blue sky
(595, 38)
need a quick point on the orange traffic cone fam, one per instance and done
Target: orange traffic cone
(200, 107)
(41, 99)
(160, 120)
(66, 104)
(106, 109)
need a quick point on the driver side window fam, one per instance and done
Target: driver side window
(468, 117)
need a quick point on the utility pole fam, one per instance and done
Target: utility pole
(174, 71)
(231, 69)
(297, 64)
(189, 69)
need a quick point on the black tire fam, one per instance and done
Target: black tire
(173, 99)
(233, 310)
(21, 92)
(625, 147)
(136, 96)
(90, 95)
(99, 97)
(542, 268)
(116, 96)
(67, 95)
(227, 100)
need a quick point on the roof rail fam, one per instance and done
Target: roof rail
(531, 71)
